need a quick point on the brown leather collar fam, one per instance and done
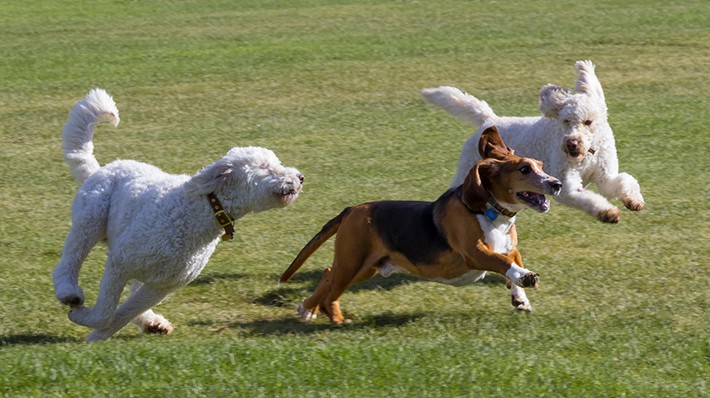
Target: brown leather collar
(221, 216)
(500, 208)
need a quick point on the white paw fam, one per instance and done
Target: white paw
(305, 314)
(157, 325)
(97, 335)
(71, 295)
(85, 316)
(519, 299)
(522, 277)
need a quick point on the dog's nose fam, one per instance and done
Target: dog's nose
(556, 186)
(572, 144)
(301, 177)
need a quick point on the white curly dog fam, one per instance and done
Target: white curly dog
(161, 229)
(573, 139)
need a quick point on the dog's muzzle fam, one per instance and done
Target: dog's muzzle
(555, 186)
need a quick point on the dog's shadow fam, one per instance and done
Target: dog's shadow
(288, 295)
(284, 327)
(29, 339)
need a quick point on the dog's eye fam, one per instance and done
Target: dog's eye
(526, 169)
(587, 122)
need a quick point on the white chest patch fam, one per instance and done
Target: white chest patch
(496, 232)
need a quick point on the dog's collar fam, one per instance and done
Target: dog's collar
(221, 216)
(592, 151)
(495, 209)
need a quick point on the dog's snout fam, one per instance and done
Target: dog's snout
(301, 177)
(555, 186)
(572, 144)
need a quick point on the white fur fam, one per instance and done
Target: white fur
(518, 294)
(545, 137)
(496, 232)
(159, 227)
(468, 278)
(515, 273)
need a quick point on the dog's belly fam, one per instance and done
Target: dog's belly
(467, 278)
(461, 279)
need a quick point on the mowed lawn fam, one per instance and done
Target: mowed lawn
(333, 88)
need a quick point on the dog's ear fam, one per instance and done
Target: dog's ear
(552, 100)
(587, 82)
(474, 194)
(210, 178)
(491, 145)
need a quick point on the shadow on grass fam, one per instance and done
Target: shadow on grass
(294, 326)
(212, 278)
(289, 295)
(34, 339)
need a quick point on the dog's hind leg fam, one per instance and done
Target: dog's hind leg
(308, 310)
(140, 301)
(89, 214)
(102, 314)
(83, 236)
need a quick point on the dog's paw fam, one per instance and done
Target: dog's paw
(306, 315)
(72, 296)
(530, 280)
(86, 317)
(159, 325)
(633, 204)
(521, 305)
(522, 277)
(611, 216)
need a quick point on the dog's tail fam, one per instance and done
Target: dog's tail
(77, 138)
(464, 106)
(328, 230)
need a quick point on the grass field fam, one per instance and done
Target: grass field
(333, 88)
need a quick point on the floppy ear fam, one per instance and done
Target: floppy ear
(210, 178)
(474, 195)
(552, 99)
(491, 145)
(587, 82)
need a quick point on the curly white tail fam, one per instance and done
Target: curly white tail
(464, 106)
(77, 138)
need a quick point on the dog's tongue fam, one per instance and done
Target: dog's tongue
(537, 201)
(544, 205)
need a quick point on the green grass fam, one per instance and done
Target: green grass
(333, 88)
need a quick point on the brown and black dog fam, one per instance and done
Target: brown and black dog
(454, 240)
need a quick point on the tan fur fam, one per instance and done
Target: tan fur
(361, 249)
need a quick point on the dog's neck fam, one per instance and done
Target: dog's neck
(222, 217)
(494, 210)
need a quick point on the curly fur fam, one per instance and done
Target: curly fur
(159, 227)
(572, 138)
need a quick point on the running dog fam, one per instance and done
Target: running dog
(573, 138)
(454, 240)
(160, 228)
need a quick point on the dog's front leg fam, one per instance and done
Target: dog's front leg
(624, 187)
(484, 259)
(574, 194)
(517, 294)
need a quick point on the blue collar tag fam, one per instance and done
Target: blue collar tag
(491, 214)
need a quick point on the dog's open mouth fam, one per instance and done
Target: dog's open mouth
(287, 195)
(534, 200)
